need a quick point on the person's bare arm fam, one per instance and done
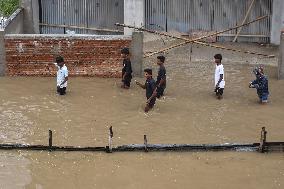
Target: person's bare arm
(141, 85)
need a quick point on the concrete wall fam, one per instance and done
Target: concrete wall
(134, 14)
(281, 57)
(136, 50)
(15, 24)
(31, 16)
(85, 55)
(2, 53)
(277, 21)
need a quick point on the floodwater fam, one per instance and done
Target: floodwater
(189, 113)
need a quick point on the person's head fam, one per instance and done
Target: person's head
(148, 73)
(218, 58)
(60, 61)
(258, 71)
(161, 60)
(125, 52)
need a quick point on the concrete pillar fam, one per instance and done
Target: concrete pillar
(2, 53)
(134, 14)
(277, 22)
(31, 16)
(281, 57)
(136, 50)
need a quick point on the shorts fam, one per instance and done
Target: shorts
(127, 80)
(219, 91)
(263, 97)
(160, 91)
(61, 91)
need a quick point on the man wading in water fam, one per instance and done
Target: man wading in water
(219, 77)
(127, 69)
(62, 75)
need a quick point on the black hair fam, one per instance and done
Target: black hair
(148, 71)
(125, 50)
(161, 58)
(59, 59)
(218, 56)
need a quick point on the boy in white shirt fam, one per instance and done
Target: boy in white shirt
(219, 77)
(62, 75)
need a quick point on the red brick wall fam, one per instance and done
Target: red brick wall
(33, 55)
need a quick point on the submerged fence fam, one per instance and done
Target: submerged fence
(262, 146)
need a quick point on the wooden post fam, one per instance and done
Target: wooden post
(109, 147)
(262, 140)
(246, 16)
(50, 140)
(145, 143)
(190, 53)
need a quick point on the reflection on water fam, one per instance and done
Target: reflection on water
(189, 113)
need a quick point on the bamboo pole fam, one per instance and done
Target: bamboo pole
(209, 45)
(196, 40)
(79, 27)
(246, 16)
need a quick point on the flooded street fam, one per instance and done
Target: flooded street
(189, 113)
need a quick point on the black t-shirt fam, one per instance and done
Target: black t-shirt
(161, 75)
(127, 67)
(150, 87)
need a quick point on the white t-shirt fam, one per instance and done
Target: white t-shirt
(219, 70)
(61, 74)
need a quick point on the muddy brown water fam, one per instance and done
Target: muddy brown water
(189, 113)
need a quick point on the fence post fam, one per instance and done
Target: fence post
(145, 143)
(262, 146)
(50, 140)
(109, 147)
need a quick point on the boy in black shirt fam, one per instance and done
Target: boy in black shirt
(127, 69)
(161, 78)
(150, 87)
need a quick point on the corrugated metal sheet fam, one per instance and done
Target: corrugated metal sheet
(101, 14)
(209, 15)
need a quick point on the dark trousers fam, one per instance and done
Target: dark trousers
(127, 80)
(61, 91)
(160, 92)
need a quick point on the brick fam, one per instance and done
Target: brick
(83, 57)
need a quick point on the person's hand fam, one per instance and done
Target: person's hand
(216, 89)
(148, 102)
(137, 83)
(250, 85)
